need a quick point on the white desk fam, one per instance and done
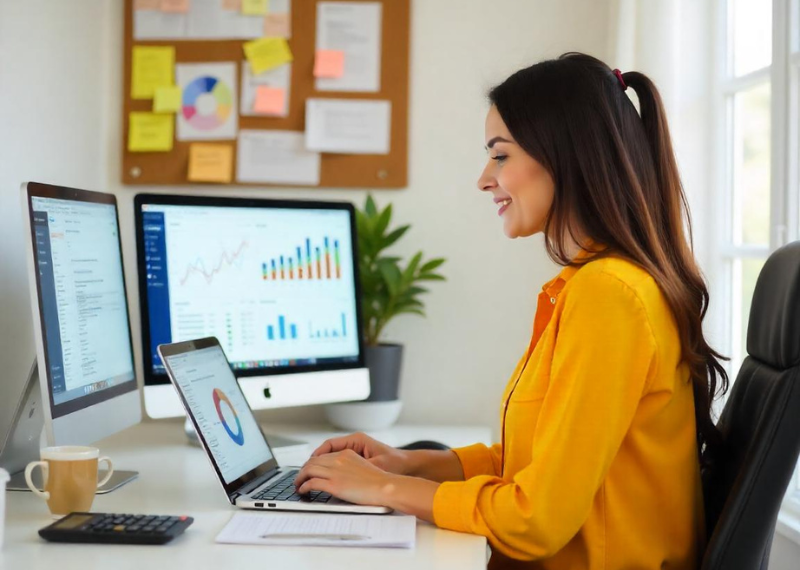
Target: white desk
(177, 479)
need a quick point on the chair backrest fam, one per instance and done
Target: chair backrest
(746, 478)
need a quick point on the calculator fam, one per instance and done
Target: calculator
(108, 528)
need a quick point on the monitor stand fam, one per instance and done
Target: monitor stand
(275, 441)
(25, 437)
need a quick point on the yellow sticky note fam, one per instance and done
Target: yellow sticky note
(267, 53)
(329, 63)
(151, 67)
(149, 132)
(210, 163)
(269, 100)
(167, 100)
(175, 6)
(254, 7)
(278, 25)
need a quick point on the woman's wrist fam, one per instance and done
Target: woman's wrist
(410, 495)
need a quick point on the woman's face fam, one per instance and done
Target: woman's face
(522, 188)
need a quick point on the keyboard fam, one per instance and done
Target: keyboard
(283, 490)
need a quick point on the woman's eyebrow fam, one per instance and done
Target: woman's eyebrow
(495, 140)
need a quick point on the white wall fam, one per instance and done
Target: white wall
(60, 101)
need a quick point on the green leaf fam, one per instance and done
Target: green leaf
(431, 265)
(411, 269)
(382, 223)
(394, 236)
(391, 276)
(370, 208)
(431, 277)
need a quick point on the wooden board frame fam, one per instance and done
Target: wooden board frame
(337, 170)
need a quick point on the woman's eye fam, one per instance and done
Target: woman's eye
(499, 157)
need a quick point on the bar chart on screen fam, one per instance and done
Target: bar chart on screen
(276, 286)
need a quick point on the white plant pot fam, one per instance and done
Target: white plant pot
(363, 416)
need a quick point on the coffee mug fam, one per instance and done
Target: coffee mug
(69, 473)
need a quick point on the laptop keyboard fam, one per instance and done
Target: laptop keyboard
(283, 490)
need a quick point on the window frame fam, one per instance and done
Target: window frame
(783, 75)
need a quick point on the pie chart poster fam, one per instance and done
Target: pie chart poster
(208, 101)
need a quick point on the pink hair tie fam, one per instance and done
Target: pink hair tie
(618, 73)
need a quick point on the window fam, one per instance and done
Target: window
(757, 120)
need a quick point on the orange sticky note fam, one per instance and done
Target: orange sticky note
(235, 5)
(329, 63)
(278, 26)
(146, 4)
(174, 5)
(270, 100)
(210, 163)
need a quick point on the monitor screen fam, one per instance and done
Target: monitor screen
(274, 281)
(220, 411)
(82, 304)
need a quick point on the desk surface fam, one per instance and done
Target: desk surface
(177, 479)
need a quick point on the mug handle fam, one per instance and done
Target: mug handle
(110, 470)
(28, 470)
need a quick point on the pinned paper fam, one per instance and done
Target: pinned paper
(269, 100)
(278, 25)
(150, 132)
(167, 100)
(329, 63)
(152, 67)
(146, 4)
(180, 6)
(210, 163)
(267, 53)
(254, 7)
(278, 78)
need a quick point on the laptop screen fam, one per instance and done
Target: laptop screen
(220, 410)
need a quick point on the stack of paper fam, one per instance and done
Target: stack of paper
(322, 529)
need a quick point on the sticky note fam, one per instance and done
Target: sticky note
(210, 162)
(278, 25)
(235, 5)
(267, 53)
(254, 7)
(167, 100)
(175, 6)
(329, 63)
(150, 132)
(146, 4)
(151, 67)
(269, 100)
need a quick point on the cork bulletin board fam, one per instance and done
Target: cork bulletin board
(336, 170)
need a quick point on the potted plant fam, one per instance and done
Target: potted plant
(389, 287)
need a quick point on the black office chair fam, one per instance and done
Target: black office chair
(747, 477)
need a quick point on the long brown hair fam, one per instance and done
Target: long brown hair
(616, 183)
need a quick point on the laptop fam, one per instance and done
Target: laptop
(231, 437)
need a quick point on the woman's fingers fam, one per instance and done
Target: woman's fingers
(355, 441)
(315, 484)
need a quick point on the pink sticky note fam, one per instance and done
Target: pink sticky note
(270, 100)
(329, 63)
(174, 5)
(233, 5)
(277, 26)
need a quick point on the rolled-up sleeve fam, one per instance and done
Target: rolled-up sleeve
(604, 354)
(479, 459)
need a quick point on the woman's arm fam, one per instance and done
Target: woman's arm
(434, 465)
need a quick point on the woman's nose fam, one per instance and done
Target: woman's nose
(486, 181)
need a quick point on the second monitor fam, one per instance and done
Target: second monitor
(276, 281)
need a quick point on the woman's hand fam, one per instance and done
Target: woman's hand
(346, 475)
(379, 454)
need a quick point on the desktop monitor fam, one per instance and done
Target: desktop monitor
(276, 281)
(80, 314)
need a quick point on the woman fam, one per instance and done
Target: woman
(605, 415)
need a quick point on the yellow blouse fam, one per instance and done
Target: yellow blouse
(598, 467)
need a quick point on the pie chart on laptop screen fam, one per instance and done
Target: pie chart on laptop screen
(225, 408)
(207, 103)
